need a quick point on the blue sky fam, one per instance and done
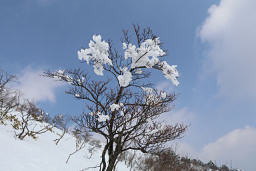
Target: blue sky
(212, 48)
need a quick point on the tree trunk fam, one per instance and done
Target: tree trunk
(114, 156)
(111, 163)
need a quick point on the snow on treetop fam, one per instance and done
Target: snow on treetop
(97, 52)
(146, 55)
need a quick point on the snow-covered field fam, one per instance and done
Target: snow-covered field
(43, 154)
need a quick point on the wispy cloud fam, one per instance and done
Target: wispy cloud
(230, 32)
(35, 87)
(235, 149)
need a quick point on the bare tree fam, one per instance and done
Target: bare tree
(31, 121)
(123, 107)
(8, 98)
(60, 122)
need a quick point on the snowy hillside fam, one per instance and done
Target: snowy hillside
(43, 154)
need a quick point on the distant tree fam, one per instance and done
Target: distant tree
(164, 160)
(168, 160)
(8, 98)
(211, 165)
(31, 121)
(224, 168)
(123, 106)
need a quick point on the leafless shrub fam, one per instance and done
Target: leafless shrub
(60, 122)
(31, 121)
(8, 98)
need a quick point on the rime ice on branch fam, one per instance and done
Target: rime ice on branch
(141, 56)
(97, 53)
(125, 78)
(145, 56)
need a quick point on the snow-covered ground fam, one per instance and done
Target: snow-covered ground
(43, 154)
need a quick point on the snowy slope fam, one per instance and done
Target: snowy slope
(42, 154)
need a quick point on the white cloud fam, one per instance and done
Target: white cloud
(231, 34)
(236, 149)
(35, 87)
(237, 146)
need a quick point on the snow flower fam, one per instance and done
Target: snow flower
(61, 72)
(145, 55)
(77, 95)
(170, 72)
(114, 106)
(102, 118)
(124, 46)
(98, 68)
(99, 116)
(125, 79)
(163, 95)
(97, 53)
(68, 78)
(59, 75)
